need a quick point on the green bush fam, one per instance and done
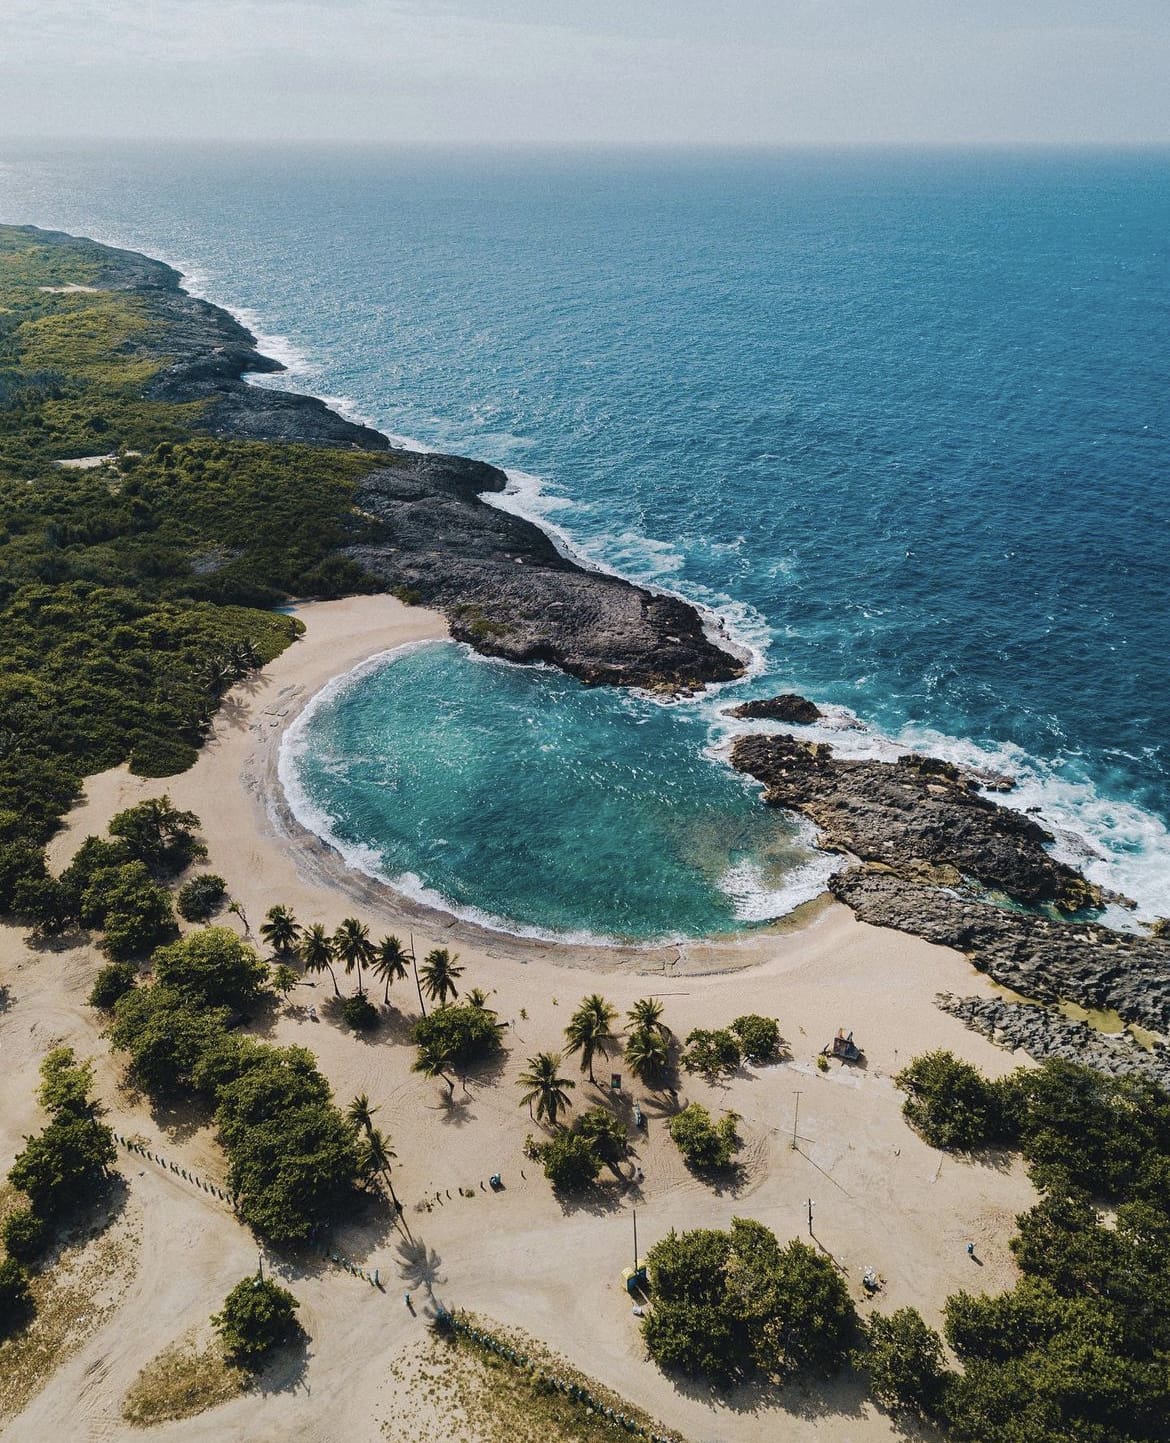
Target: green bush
(113, 981)
(257, 1316)
(759, 1037)
(570, 1162)
(951, 1104)
(63, 1164)
(161, 756)
(134, 910)
(463, 1034)
(730, 1304)
(25, 1235)
(159, 834)
(713, 1053)
(904, 1360)
(707, 1146)
(166, 1037)
(16, 1303)
(360, 1014)
(211, 968)
(201, 897)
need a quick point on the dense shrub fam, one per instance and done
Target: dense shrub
(759, 1037)
(134, 910)
(951, 1104)
(462, 1034)
(360, 1014)
(16, 1304)
(728, 1304)
(257, 1316)
(570, 1162)
(712, 1053)
(707, 1146)
(211, 968)
(113, 981)
(201, 897)
(904, 1360)
(160, 835)
(166, 1038)
(63, 1164)
(25, 1235)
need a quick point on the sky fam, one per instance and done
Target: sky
(591, 72)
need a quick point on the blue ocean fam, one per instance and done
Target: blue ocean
(902, 420)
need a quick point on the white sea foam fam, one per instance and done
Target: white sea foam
(757, 900)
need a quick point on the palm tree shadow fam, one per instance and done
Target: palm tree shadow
(455, 1109)
(418, 1265)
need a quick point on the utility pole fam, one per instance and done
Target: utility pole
(417, 983)
(635, 1239)
(795, 1115)
(810, 1231)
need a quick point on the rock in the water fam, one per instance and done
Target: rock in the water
(915, 815)
(788, 707)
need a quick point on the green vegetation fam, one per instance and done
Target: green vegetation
(111, 983)
(257, 1316)
(590, 1031)
(201, 897)
(359, 1013)
(131, 594)
(211, 968)
(60, 1171)
(715, 1053)
(573, 1159)
(1079, 1348)
(951, 1104)
(707, 1146)
(543, 1085)
(461, 1036)
(759, 1037)
(728, 1305)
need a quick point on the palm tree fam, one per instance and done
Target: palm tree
(377, 1155)
(433, 1060)
(352, 945)
(360, 1113)
(477, 997)
(316, 952)
(545, 1088)
(390, 963)
(439, 975)
(647, 1054)
(280, 930)
(589, 1031)
(647, 1012)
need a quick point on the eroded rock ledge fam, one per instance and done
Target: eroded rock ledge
(1042, 1033)
(920, 816)
(502, 584)
(1080, 962)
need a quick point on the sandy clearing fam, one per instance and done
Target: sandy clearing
(880, 1197)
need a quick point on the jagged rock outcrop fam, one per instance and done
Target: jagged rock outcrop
(1042, 1033)
(1080, 962)
(502, 584)
(508, 591)
(919, 815)
(788, 707)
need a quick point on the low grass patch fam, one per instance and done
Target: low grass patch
(74, 1298)
(484, 1397)
(186, 1378)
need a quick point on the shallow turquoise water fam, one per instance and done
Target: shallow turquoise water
(518, 793)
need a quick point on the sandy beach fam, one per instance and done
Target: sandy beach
(880, 1196)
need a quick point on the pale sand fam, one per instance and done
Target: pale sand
(880, 1196)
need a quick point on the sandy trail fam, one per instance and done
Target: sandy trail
(880, 1197)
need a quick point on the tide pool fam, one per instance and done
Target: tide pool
(520, 798)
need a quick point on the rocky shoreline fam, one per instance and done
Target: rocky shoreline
(502, 584)
(927, 846)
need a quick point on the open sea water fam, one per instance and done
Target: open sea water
(902, 420)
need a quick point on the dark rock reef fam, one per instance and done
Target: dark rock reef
(1043, 1033)
(788, 707)
(502, 584)
(1051, 961)
(509, 592)
(920, 816)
